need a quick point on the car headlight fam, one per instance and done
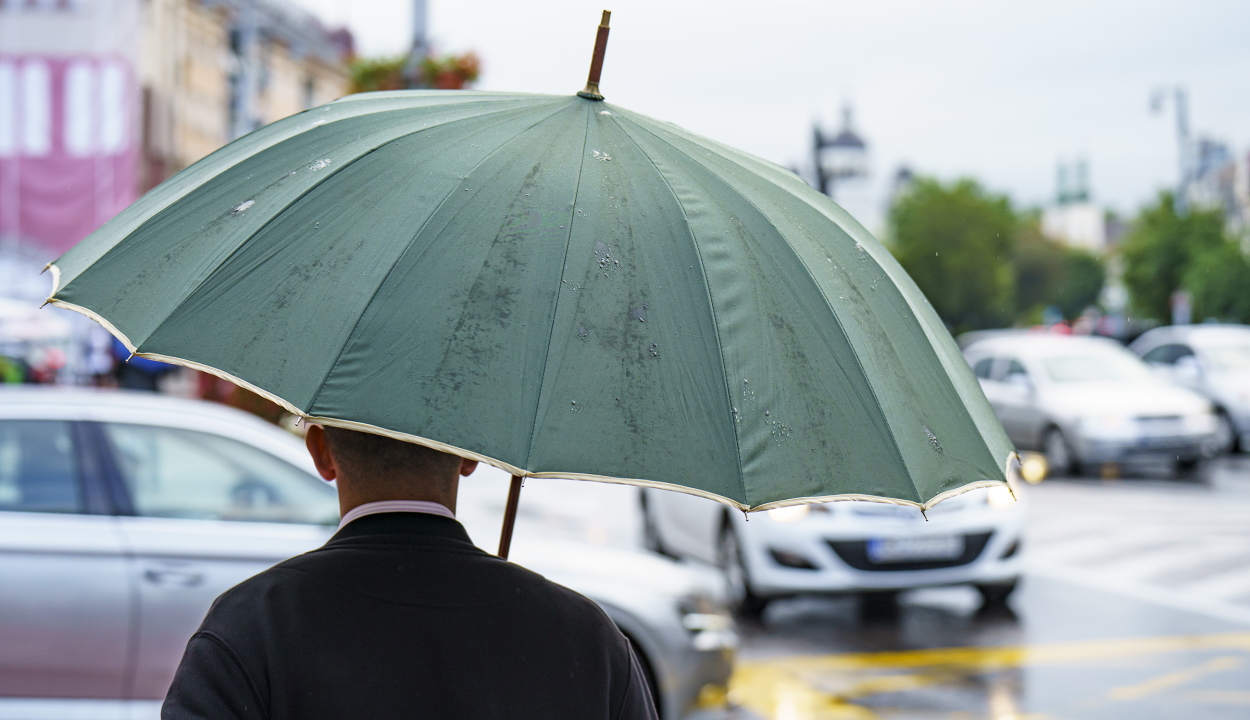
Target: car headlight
(1000, 498)
(710, 625)
(789, 514)
(1203, 422)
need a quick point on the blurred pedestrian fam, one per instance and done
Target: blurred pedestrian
(400, 615)
(136, 373)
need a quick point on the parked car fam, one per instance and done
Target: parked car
(123, 515)
(868, 548)
(1085, 401)
(1214, 361)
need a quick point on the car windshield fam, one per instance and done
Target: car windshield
(1095, 367)
(1229, 357)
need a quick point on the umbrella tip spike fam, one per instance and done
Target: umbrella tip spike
(924, 514)
(591, 91)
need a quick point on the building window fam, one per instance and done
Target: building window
(36, 108)
(8, 109)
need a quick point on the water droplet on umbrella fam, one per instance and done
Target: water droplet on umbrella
(767, 413)
(639, 314)
(321, 164)
(655, 350)
(574, 402)
(932, 438)
(237, 209)
(582, 333)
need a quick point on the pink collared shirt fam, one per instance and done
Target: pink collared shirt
(390, 506)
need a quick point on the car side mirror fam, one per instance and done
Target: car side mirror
(1187, 369)
(1021, 381)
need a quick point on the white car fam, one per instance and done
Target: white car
(1214, 361)
(1084, 401)
(871, 548)
(123, 515)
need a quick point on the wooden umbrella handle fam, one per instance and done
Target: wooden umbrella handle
(509, 516)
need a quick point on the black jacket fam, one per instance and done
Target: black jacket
(400, 616)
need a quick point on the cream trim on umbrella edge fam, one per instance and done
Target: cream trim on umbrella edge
(1012, 462)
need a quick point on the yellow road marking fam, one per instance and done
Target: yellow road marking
(825, 687)
(1171, 680)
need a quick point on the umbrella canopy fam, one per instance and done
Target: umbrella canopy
(554, 285)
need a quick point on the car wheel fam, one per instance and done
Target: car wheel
(738, 583)
(1224, 439)
(1059, 455)
(650, 533)
(996, 594)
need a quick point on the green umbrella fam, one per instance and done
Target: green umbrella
(557, 286)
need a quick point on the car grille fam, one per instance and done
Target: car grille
(855, 554)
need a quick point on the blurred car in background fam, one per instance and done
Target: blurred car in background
(847, 547)
(1084, 401)
(124, 515)
(1214, 361)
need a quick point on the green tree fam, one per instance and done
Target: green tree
(955, 241)
(1219, 280)
(1160, 248)
(448, 72)
(1051, 273)
(1084, 276)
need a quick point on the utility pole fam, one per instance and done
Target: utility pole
(1180, 101)
(420, 44)
(245, 89)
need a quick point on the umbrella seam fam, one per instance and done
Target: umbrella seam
(720, 347)
(321, 386)
(746, 160)
(828, 304)
(551, 330)
(239, 248)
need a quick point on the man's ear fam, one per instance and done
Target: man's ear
(319, 448)
(467, 467)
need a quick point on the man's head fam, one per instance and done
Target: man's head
(371, 467)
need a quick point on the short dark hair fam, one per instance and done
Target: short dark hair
(378, 458)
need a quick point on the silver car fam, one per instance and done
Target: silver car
(1085, 401)
(1214, 361)
(122, 516)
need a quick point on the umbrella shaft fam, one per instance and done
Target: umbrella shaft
(509, 516)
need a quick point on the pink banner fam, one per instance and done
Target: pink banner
(68, 146)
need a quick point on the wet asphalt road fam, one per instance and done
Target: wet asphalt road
(1136, 604)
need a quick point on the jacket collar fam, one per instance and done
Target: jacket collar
(402, 524)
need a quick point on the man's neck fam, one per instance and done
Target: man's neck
(350, 498)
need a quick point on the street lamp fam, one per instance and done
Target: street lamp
(1185, 148)
(841, 157)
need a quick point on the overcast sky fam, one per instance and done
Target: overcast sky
(1001, 91)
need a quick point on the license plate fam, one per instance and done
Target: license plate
(929, 547)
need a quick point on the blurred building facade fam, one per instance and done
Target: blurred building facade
(213, 70)
(100, 100)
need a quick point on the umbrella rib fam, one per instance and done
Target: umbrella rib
(313, 402)
(551, 330)
(812, 277)
(720, 348)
